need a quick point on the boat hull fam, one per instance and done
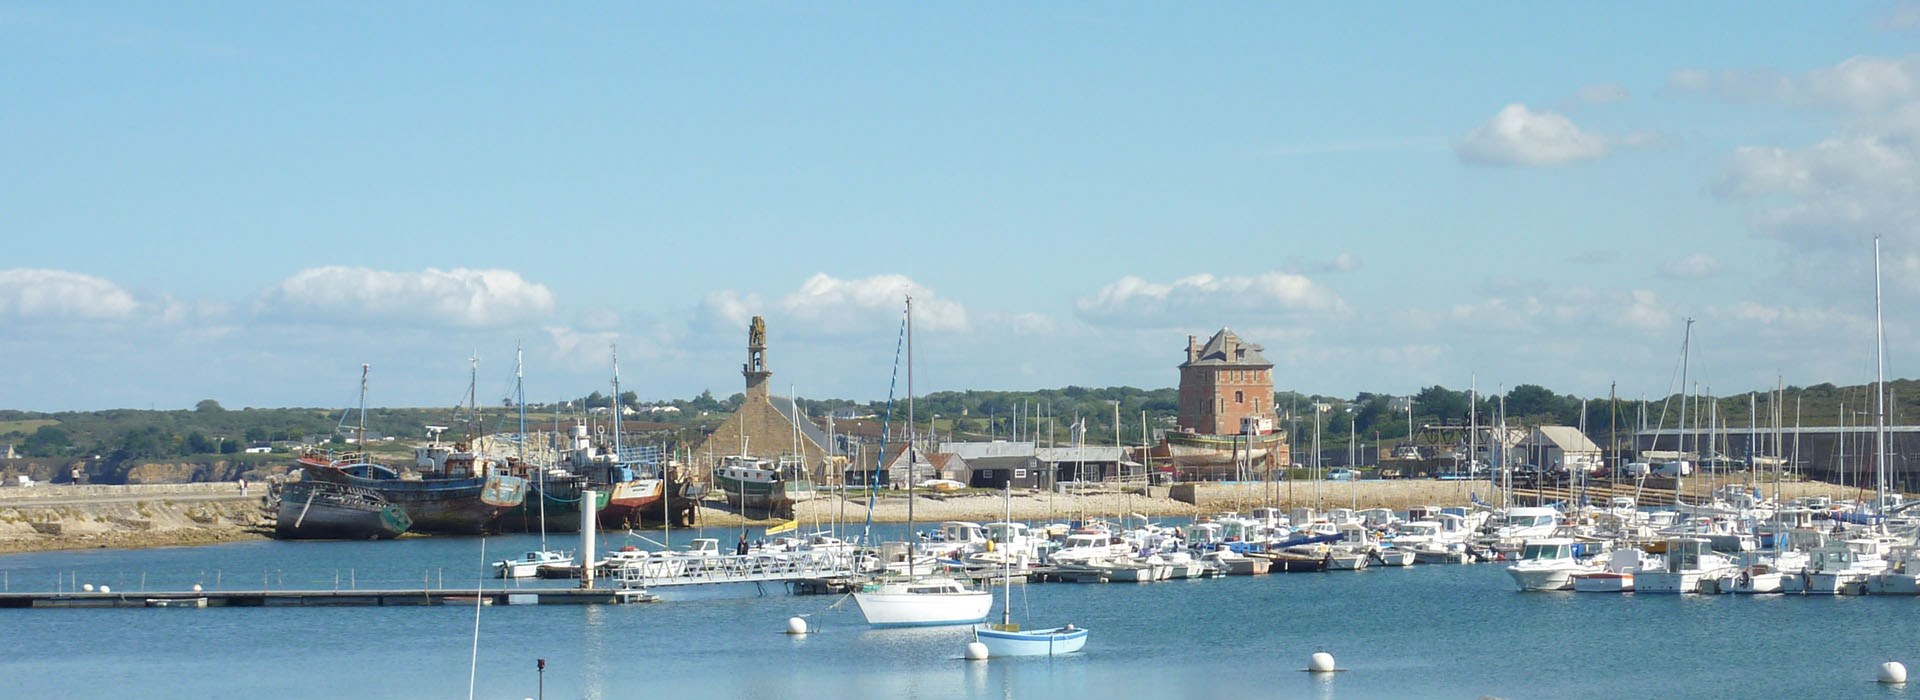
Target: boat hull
(1603, 582)
(327, 511)
(1044, 642)
(452, 506)
(886, 609)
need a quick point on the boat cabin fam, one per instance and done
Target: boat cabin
(1688, 553)
(1550, 548)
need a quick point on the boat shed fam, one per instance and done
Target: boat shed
(1088, 463)
(1560, 447)
(999, 464)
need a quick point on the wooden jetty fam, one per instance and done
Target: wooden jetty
(323, 598)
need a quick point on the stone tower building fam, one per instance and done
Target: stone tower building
(768, 425)
(1224, 383)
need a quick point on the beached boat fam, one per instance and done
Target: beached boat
(754, 483)
(448, 491)
(318, 510)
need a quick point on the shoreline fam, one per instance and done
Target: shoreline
(42, 519)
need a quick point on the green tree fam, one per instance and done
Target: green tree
(208, 406)
(198, 444)
(48, 441)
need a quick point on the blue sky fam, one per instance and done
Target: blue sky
(244, 202)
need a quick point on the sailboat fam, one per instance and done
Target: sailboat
(1006, 638)
(919, 600)
(529, 565)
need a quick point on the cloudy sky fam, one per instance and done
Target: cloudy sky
(246, 201)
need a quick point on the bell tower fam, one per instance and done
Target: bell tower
(755, 370)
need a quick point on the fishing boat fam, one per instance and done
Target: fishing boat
(1548, 564)
(1616, 575)
(448, 491)
(1007, 639)
(1690, 560)
(319, 510)
(754, 483)
(918, 600)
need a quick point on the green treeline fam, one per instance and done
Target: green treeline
(1043, 416)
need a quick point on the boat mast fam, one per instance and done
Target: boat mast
(912, 540)
(520, 399)
(361, 440)
(1880, 394)
(1680, 468)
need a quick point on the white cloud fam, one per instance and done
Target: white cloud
(1902, 16)
(1520, 136)
(827, 305)
(1603, 93)
(1860, 84)
(1696, 266)
(1578, 311)
(1193, 299)
(433, 297)
(63, 296)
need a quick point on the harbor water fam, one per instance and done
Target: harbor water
(1422, 631)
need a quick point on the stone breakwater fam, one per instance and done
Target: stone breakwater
(49, 517)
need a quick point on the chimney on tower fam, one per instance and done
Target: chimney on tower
(1193, 348)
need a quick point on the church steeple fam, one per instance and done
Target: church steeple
(755, 370)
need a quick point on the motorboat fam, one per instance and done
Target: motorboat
(1616, 574)
(1548, 565)
(1689, 561)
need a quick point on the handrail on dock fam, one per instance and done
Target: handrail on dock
(683, 570)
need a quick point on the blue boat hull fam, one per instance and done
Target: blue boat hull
(1042, 642)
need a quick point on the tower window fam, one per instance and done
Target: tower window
(1239, 397)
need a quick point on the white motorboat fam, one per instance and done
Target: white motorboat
(528, 565)
(1548, 565)
(1834, 566)
(1616, 575)
(1689, 561)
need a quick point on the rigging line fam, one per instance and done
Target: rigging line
(886, 423)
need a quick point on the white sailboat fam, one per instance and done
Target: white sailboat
(528, 565)
(1007, 639)
(919, 600)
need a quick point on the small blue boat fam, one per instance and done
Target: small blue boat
(1017, 642)
(1007, 639)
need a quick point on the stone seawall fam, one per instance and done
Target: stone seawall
(48, 517)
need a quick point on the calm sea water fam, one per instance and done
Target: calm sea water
(1431, 632)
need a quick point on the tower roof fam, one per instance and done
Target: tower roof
(1225, 349)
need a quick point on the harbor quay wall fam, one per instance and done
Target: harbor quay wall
(49, 517)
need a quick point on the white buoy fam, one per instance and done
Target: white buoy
(104, 589)
(976, 651)
(1893, 673)
(796, 625)
(1320, 662)
(88, 587)
(196, 588)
